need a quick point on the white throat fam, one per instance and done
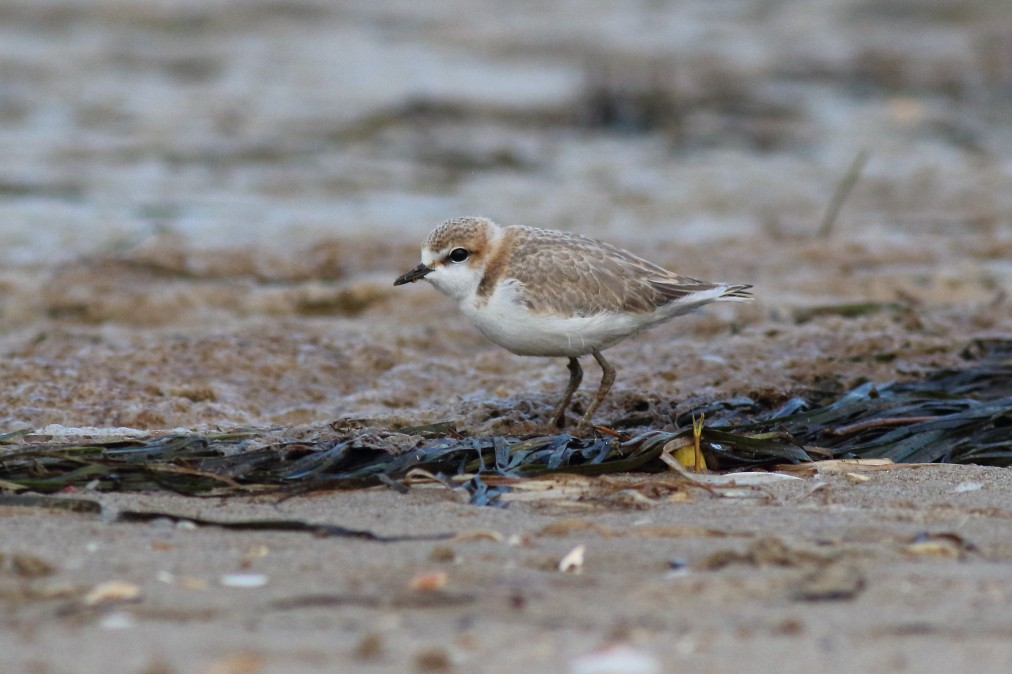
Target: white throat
(459, 280)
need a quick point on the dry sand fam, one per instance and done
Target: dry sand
(918, 579)
(203, 207)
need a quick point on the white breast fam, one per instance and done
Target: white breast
(511, 325)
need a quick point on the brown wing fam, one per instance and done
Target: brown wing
(581, 276)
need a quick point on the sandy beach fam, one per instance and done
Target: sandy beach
(203, 207)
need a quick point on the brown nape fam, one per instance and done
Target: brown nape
(495, 264)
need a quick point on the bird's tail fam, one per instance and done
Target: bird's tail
(736, 294)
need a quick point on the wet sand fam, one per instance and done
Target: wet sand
(203, 208)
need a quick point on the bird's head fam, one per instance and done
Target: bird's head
(454, 256)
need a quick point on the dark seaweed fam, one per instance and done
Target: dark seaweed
(951, 416)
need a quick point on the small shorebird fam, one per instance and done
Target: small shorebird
(539, 292)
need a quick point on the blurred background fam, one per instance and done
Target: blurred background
(203, 202)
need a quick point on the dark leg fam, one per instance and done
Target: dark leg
(607, 379)
(575, 377)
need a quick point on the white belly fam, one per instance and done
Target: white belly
(514, 327)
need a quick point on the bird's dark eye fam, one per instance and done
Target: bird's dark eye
(458, 254)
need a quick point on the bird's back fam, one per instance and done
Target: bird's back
(568, 274)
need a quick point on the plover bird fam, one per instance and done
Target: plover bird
(539, 292)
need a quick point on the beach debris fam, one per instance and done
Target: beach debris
(406, 599)
(253, 553)
(14, 436)
(187, 582)
(370, 647)
(117, 620)
(428, 581)
(79, 505)
(480, 535)
(566, 527)
(244, 580)
(443, 554)
(326, 601)
(945, 544)
(830, 582)
(319, 530)
(435, 659)
(256, 551)
(113, 591)
(616, 659)
(572, 561)
(842, 191)
(629, 491)
(52, 590)
(685, 452)
(27, 565)
(678, 564)
(239, 662)
(744, 479)
(767, 551)
(839, 466)
(948, 416)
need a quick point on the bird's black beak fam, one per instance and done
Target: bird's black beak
(418, 272)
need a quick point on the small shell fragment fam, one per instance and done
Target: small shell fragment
(187, 582)
(934, 548)
(112, 591)
(429, 581)
(617, 659)
(244, 580)
(118, 620)
(572, 562)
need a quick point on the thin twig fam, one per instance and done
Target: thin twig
(697, 452)
(876, 423)
(841, 193)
